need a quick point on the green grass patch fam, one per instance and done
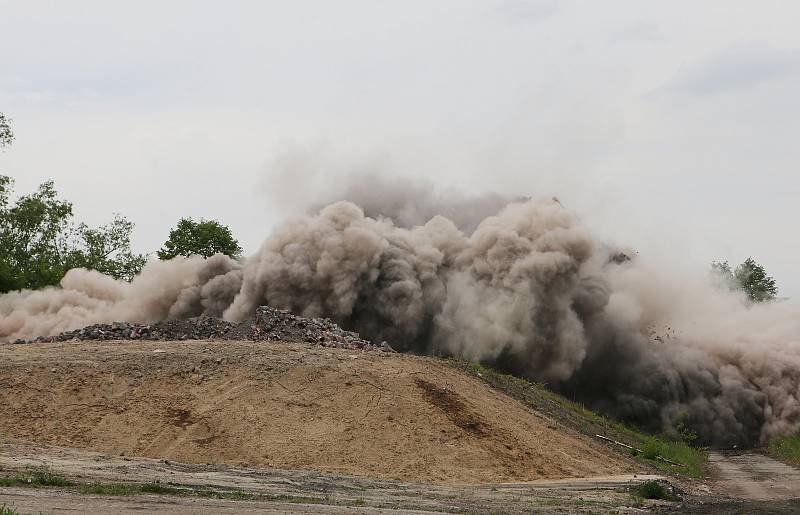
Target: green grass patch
(652, 490)
(206, 493)
(693, 461)
(125, 489)
(35, 479)
(114, 489)
(301, 499)
(8, 510)
(786, 448)
(44, 478)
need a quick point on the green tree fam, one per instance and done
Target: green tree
(6, 134)
(754, 281)
(749, 277)
(39, 241)
(204, 238)
(33, 239)
(107, 249)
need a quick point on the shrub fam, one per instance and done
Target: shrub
(653, 490)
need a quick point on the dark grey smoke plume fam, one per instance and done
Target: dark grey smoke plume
(527, 289)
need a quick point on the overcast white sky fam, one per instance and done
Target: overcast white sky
(669, 126)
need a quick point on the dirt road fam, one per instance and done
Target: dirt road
(52, 502)
(289, 491)
(744, 484)
(755, 476)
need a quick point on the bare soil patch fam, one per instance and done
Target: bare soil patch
(453, 408)
(292, 406)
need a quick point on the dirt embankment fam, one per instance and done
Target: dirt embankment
(288, 406)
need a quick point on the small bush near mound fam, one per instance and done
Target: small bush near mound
(653, 490)
(786, 448)
(8, 510)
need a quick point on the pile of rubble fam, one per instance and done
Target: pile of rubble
(269, 324)
(280, 325)
(197, 328)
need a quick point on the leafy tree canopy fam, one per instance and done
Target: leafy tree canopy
(39, 241)
(204, 238)
(749, 277)
(6, 134)
(107, 249)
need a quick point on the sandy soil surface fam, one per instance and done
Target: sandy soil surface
(287, 406)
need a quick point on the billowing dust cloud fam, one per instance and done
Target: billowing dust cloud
(525, 288)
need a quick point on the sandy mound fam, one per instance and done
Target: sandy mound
(287, 406)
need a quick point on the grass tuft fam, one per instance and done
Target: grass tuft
(8, 510)
(36, 478)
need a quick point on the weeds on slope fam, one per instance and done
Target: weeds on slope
(786, 448)
(693, 460)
